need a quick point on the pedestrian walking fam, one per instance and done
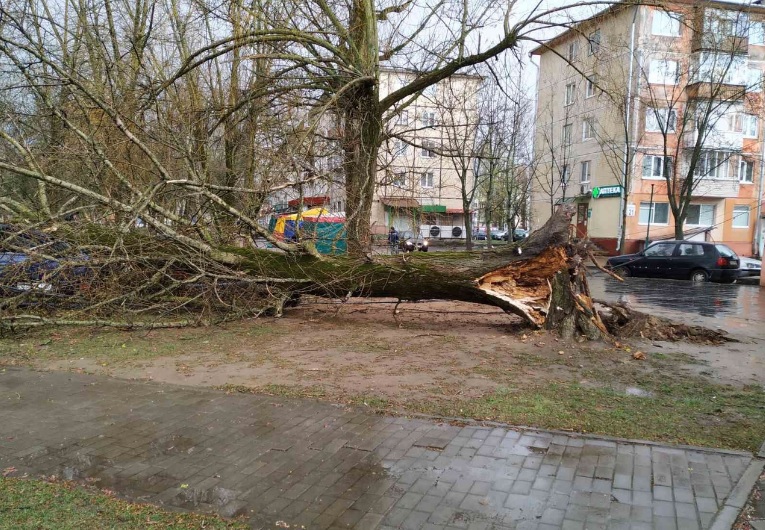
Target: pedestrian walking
(393, 240)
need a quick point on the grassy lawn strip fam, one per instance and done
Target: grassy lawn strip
(688, 410)
(705, 415)
(36, 504)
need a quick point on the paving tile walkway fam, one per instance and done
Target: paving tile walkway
(318, 466)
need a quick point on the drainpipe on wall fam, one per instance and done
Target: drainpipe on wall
(758, 222)
(628, 115)
(529, 198)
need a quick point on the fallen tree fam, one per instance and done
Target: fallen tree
(542, 280)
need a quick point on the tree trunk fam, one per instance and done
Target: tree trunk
(679, 222)
(537, 278)
(361, 141)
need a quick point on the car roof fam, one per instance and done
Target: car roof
(683, 241)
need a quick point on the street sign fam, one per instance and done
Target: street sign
(602, 192)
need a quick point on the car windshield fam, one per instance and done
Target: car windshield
(725, 251)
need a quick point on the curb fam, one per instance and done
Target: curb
(737, 499)
(572, 434)
(761, 453)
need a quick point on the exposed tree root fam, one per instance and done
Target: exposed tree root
(623, 322)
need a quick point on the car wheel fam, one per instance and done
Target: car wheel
(624, 272)
(699, 275)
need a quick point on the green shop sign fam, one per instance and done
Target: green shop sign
(602, 192)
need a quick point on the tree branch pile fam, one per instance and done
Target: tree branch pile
(97, 275)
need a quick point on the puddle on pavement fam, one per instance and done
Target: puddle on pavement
(171, 445)
(193, 498)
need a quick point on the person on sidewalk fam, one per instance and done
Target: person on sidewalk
(393, 240)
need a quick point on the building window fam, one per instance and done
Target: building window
(746, 171)
(753, 80)
(564, 176)
(747, 123)
(666, 24)
(741, 217)
(588, 129)
(590, 86)
(585, 176)
(757, 33)
(713, 165)
(399, 179)
(570, 91)
(400, 148)
(658, 214)
(573, 51)
(654, 166)
(567, 134)
(729, 24)
(428, 119)
(403, 118)
(700, 215)
(660, 120)
(427, 150)
(593, 42)
(426, 179)
(662, 72)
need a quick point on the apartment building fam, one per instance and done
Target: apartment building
(641, 106)
(423, 164)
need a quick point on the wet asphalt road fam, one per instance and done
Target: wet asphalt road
(738, 309)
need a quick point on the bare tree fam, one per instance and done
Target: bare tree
(181, 119)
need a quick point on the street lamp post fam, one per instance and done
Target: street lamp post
(650, 215)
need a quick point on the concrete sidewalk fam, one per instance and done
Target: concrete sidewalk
(318, 466)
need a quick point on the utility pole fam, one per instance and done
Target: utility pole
(650, 215)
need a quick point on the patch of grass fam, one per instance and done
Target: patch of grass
(690, 412)
(63, 506)
(288, 391)
(374, 402)
(114, 346)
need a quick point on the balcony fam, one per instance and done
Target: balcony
(718, 76)
(718, 140)
(716, 188)
(719, 30)
(706, 41)
(721, 91)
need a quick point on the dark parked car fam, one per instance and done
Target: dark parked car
(519, 234)
(31, 260)
(698, 261)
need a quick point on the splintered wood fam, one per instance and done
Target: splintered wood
(525, 284)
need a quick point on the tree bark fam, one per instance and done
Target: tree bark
(534, 279)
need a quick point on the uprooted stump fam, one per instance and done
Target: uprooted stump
(624, 322)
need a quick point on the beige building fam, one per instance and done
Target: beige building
(427, 159)
(423, 164)
(639, 92)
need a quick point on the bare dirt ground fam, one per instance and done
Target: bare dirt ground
(359, 347)
(363, 347)
(439, 358)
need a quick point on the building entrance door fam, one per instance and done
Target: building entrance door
(581, 219)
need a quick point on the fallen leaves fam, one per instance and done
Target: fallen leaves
(639, 356)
